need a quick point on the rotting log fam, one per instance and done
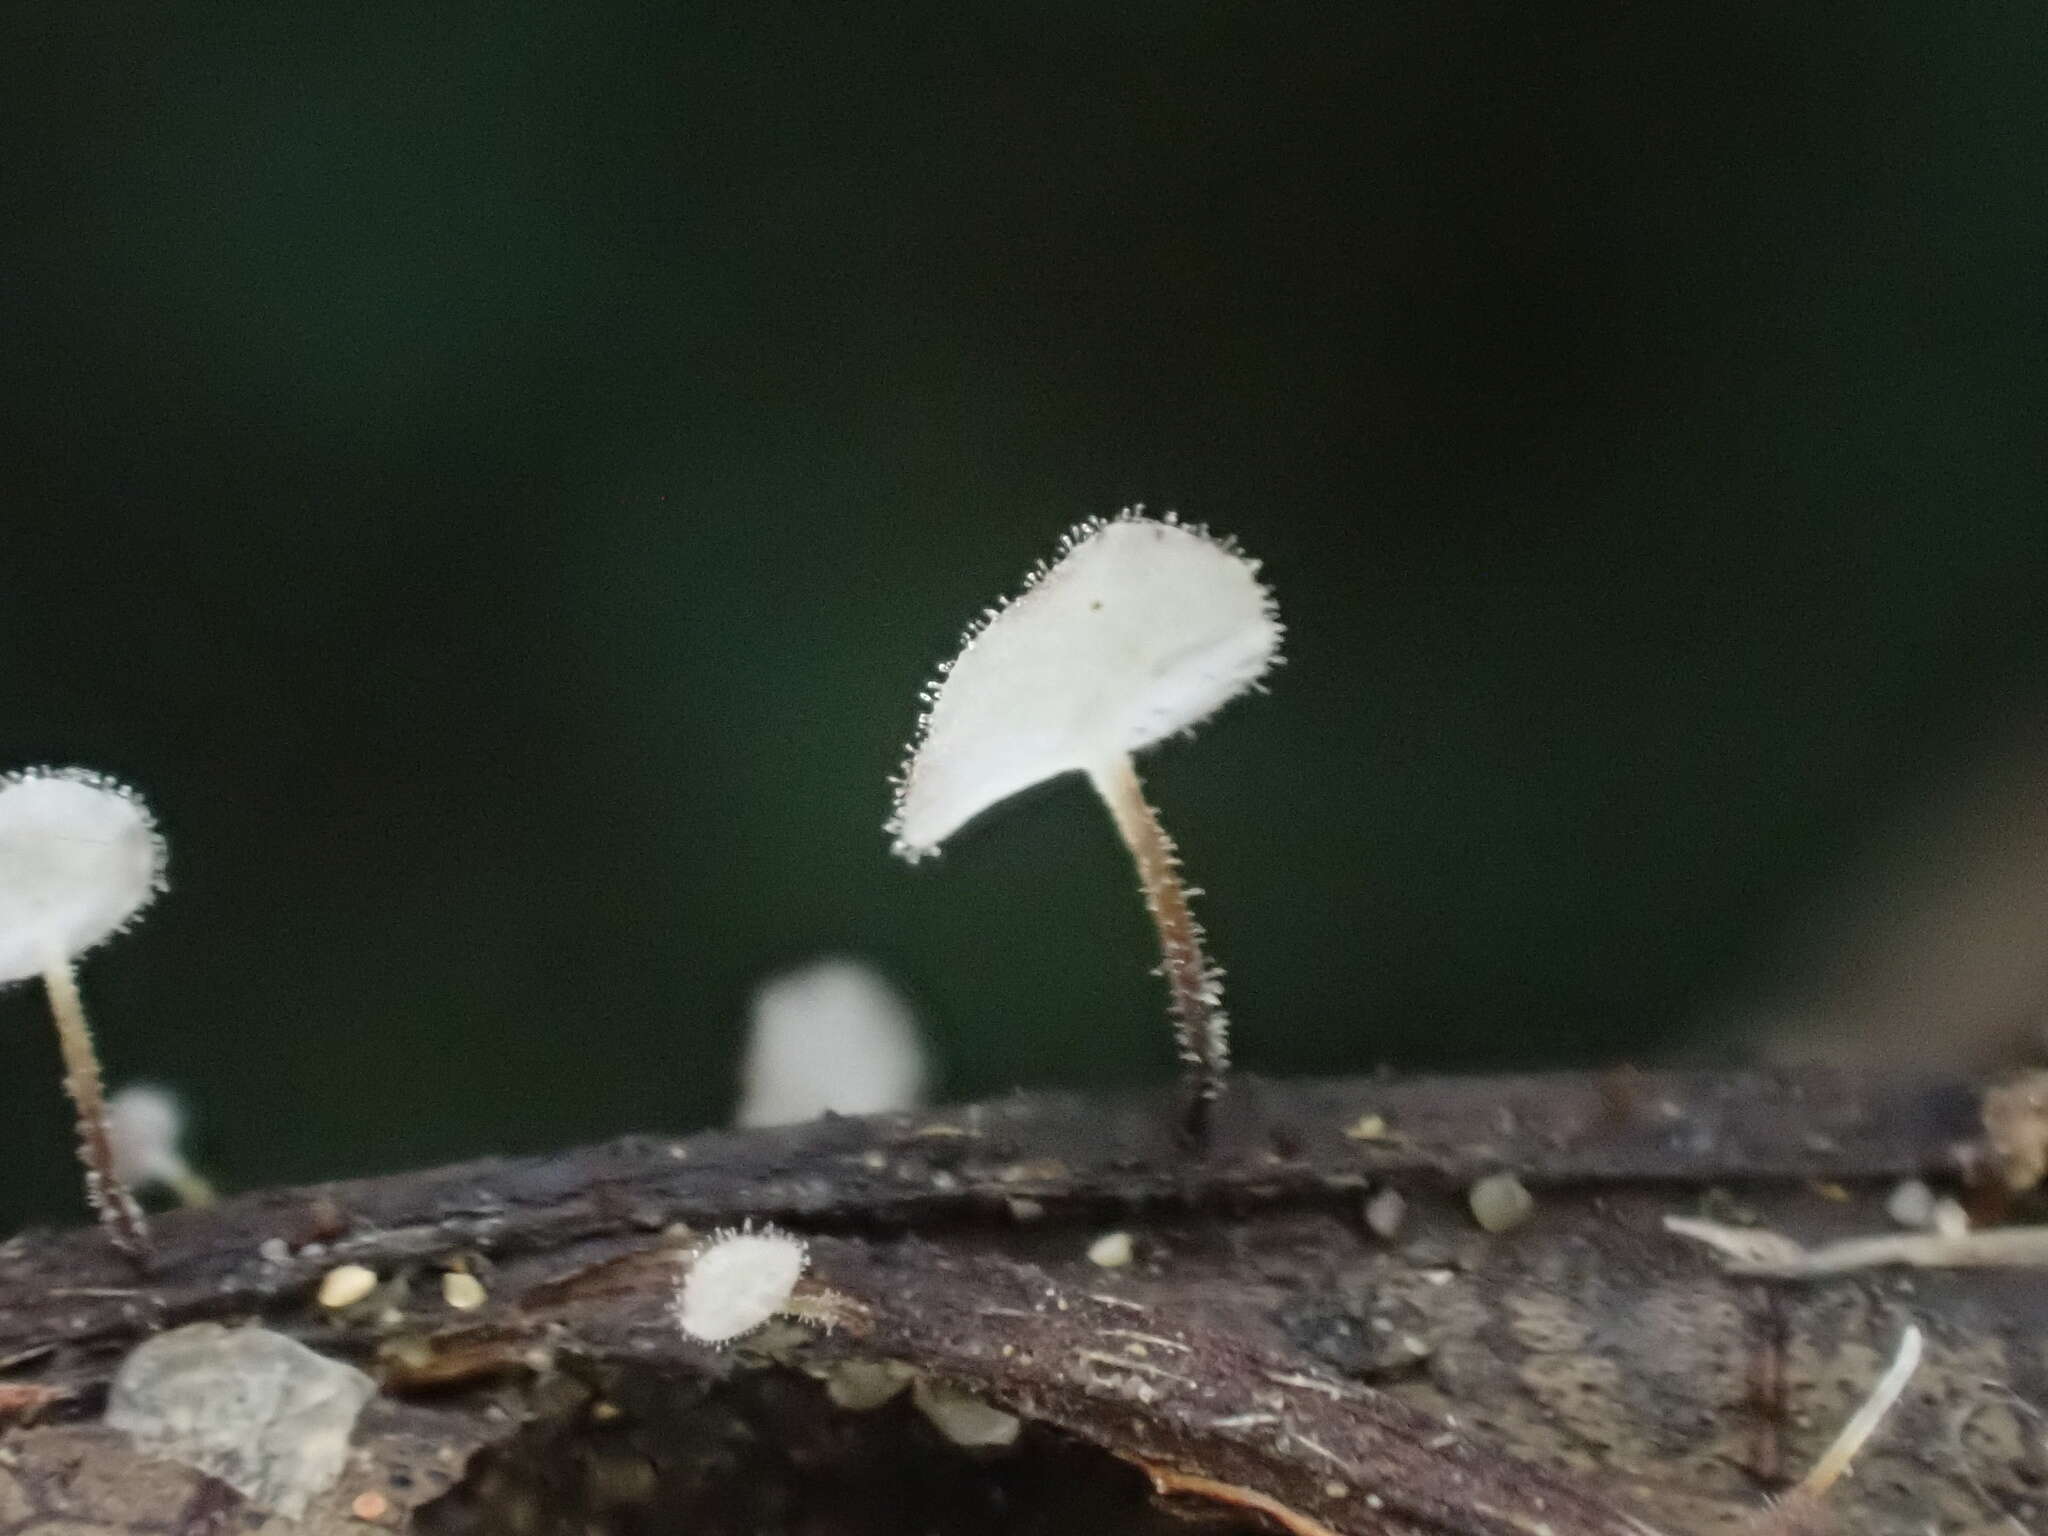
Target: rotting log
(1265, 1359)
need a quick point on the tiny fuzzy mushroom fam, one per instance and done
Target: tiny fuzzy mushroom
(829, 1036)
(145, 1125)
(80, 857)
(738, 1282)
(1140, 629)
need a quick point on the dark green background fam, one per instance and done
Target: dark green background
(497, 479)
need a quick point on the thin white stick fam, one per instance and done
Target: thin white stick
(1865, 1420)
(1755, 1251)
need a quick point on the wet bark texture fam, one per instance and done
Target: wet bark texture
(1264, 1355)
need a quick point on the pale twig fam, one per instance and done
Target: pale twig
(1863, 1423)
(1772, 1255)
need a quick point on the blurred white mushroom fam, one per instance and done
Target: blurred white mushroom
(829, 1036)
(1142, 628)
(145, 1126)
(79, 859)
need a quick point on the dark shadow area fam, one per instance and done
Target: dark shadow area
(767, 1454)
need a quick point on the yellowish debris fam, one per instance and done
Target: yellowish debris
(1112, 1250)
(346, 1285)
(1500, 1202)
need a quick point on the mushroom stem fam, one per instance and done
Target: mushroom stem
(1194, 986)
(193, 1188)
(116, 1207)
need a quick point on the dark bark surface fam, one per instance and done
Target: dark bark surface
(1577, 1374)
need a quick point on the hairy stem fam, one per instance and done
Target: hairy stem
(1194, 986)
(116, 1207)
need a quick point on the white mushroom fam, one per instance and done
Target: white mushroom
(146, 1125)
(1141, 628)
(830, 1036)
(79, 858)
(738, 1282)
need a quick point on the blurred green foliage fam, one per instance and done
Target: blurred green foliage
(497, 479)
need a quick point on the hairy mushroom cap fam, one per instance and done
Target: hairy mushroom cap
(831, 1036)
(1142, 627)
(737, 1283)
(80, 856)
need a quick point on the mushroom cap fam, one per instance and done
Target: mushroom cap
(145, 1123)
(1141, 628)
(830, 1036)
(740, 1281)
(80, 856)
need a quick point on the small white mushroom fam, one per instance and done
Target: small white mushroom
(80, 857)
(1141, 629)
(830, 1036)
(146, 1125)
(738, 1282)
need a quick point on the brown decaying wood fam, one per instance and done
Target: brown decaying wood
(1574, 1376)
